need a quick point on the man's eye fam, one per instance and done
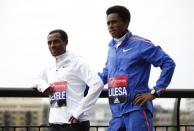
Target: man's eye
(56, 41)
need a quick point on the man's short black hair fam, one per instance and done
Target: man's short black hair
(63, 34)
(121, 10)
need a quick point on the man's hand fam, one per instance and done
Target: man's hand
(73, 120)
(48, 91)
(143, 98)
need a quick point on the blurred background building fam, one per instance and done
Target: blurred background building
(34, 112)
(22, 112)
(190, 109)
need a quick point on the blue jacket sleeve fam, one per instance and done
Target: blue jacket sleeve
(156, 56)
(104, 75)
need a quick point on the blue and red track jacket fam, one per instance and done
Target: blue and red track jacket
(127, 72)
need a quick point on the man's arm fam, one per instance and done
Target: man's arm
(156, 56)
(40, 82)
(96, 86)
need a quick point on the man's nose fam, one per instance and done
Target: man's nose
(52, 45)
(110, 26)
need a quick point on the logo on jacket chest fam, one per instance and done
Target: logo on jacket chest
(117, 89)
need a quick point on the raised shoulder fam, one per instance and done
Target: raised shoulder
(140, 39)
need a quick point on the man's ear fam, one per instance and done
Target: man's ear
(66, 41)
(126, 23)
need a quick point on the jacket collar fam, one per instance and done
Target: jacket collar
(62, 56)
(63, 60)
(113, 42)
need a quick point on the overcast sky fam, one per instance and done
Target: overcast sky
(24, 25)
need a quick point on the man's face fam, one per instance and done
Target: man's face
(117, 27)
(56, 45)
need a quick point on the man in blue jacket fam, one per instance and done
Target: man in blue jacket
(127, 73)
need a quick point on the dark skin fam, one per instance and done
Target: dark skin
(57, 46)
(118, 27)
